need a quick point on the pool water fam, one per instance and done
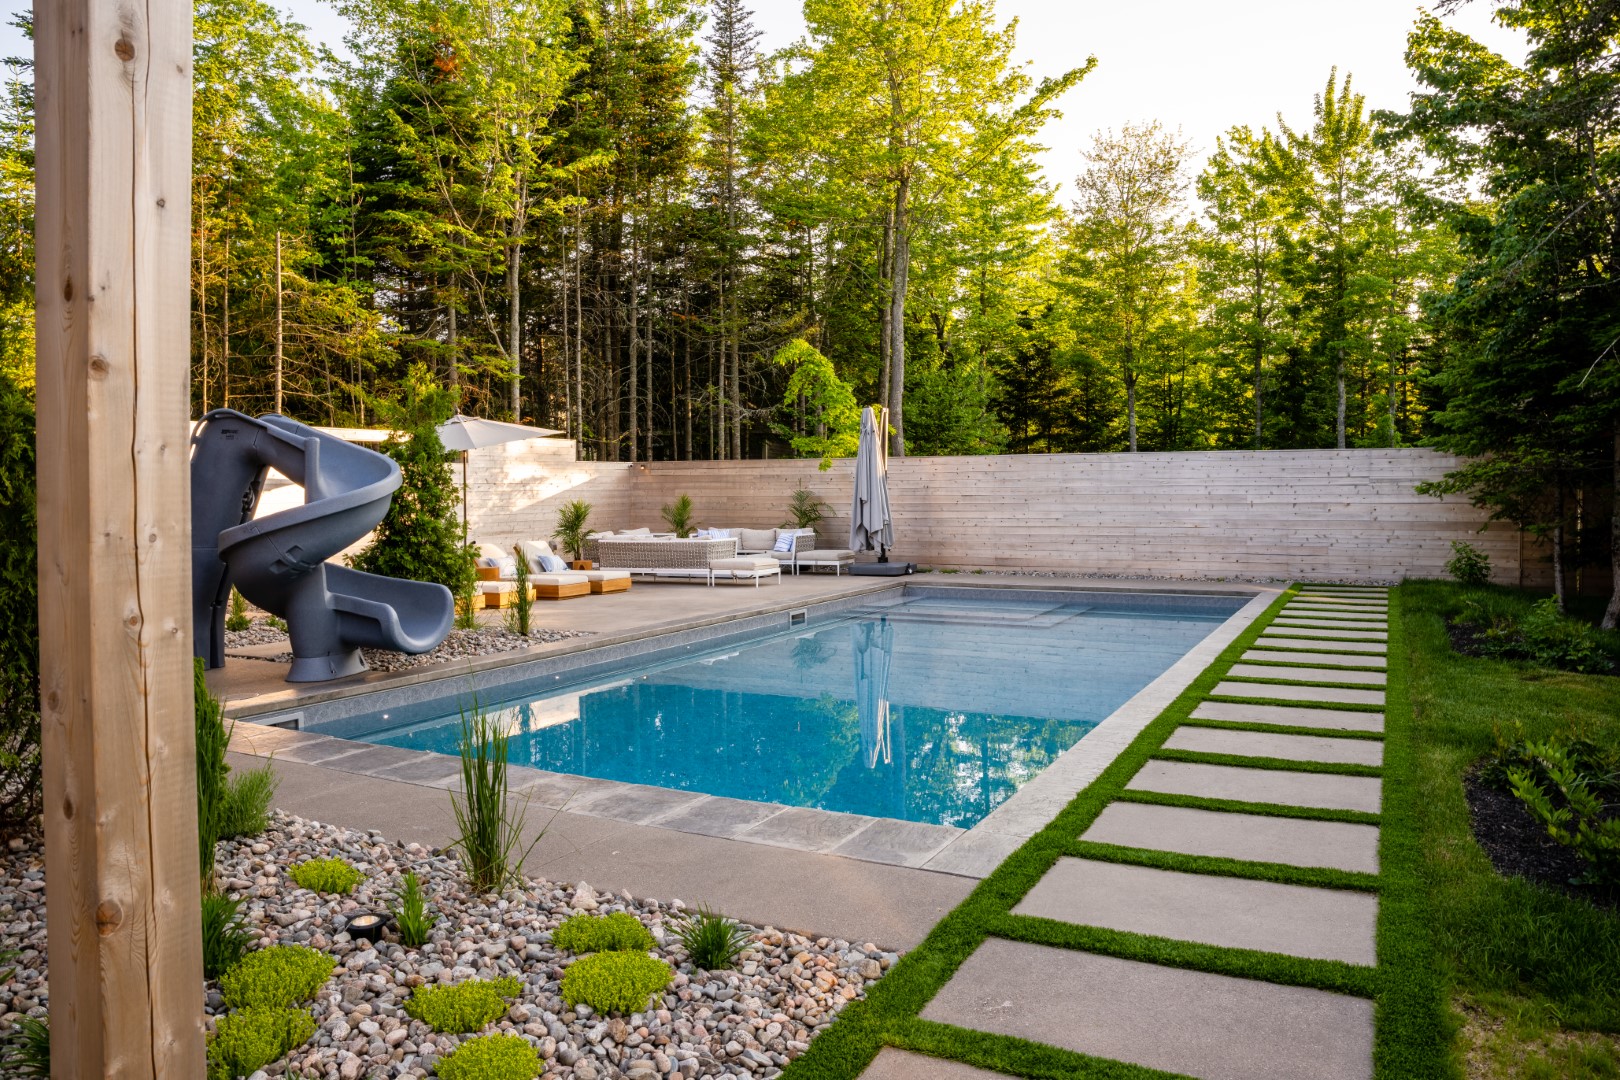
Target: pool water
(933, 709)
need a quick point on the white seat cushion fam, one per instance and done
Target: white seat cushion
(497, 586)
(570, 578)
(746, 562)
(825, 555)
(603, 575)
(534, 551)
(756, 539)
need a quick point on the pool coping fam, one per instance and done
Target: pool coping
(972, 853)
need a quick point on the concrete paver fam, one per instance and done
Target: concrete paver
(1324, 748)
(717, 816)
(1352, 635)
(975, 853)
(1322, 791)
(1305, 674)
(1267, 656)
(1330, 694)
(1321, 924)
(1288, 716)
(903, 843)
(1250, 837)
(892, 1064)
(1332, 624)
(1339, 611)
(1210, 1026)
(1284, 640)
(806, 828)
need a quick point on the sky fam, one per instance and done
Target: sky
(1200, 66)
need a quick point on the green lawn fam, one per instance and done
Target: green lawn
(1525, 964)
(1537, 974)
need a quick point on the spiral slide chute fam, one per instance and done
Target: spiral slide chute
(278, 562)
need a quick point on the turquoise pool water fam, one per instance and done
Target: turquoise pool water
(932, 709)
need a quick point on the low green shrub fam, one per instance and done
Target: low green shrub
(623, 982)
(464, 1007)
(275, 623)
(492, 1057)
(30, 1051)
(237, 619)
(245, 808)
(1468, 564)
(1567, 791)
(276, 977)
(225, 940)
(603, 933)
(712, 940)
(325, 876)
(1543, 635)
(245, 1042)
(414, 916)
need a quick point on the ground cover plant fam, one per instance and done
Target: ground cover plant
(493, 1057)
(619, 931)
(325, 876)
(280, 976)
(1512, 625)
(244, 1042)
(465, 1006)
(610, 982)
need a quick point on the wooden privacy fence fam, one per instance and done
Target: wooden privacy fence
(1275, 513)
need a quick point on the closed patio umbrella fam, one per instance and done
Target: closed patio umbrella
(466, 433)
(869, 525)
(873, 643)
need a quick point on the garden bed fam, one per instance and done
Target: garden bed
(745, 1022)
(1519, 847)
(460, 644)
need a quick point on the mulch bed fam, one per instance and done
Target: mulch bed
(1518, 846)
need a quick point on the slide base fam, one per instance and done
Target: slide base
(331, 666)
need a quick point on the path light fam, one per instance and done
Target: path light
(366, 926)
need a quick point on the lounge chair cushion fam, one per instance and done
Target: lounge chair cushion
(569, 578)
(756, 539)
(491, 551)
(605, 575)
(535, 551)
(746, 562)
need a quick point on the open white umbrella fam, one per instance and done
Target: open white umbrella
(466, 433)
(869, 525)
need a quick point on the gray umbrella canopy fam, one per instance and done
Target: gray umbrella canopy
(869, 525)
(470, 433)
(873, 643)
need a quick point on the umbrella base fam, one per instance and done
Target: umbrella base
(882, 569)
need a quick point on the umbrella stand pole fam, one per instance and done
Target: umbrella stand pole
(883, 553)
(464, 538)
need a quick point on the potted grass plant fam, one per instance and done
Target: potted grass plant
(572, 530)
(678, 516)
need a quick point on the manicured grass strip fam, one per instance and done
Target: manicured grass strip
(1201, 757)
(1344, 706)
(1004, 1053)
(846, 1047)
(1270, 680)
(1332, 975)
(1238, 806)
(1282, 729)
(1412, 1029)
(1325, 877)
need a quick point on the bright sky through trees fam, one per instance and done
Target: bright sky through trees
(1192, 64)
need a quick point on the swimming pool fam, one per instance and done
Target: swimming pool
(935, 707)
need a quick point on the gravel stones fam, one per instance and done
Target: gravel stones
(460, 644)
(745, 1023)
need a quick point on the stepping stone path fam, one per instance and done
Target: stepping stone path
(1222, 789)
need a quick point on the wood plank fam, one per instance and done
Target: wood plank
(113, 241)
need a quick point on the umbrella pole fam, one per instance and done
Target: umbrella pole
(464, 456)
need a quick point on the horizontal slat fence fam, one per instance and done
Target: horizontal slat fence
(1302, 514)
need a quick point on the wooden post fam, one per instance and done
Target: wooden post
(113, 227)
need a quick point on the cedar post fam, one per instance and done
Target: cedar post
(113, 82)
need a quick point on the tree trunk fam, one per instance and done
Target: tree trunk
(514, 333)
(455, 344)
(1339, 421)
(719, 444)
(635, 326)
(736, 386)
(1130, 406)
(277, 409)
(225, 332)
(1259, 367)
(885, 339)
(1611, 614)
(897, 317)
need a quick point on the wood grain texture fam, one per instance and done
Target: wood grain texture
(113, 237)
(1305, 513)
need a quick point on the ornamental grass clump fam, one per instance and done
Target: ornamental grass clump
(464, 1007)
(710, 939)
(489, 825)
(225, 940)
(245, 1042)
(325, 876)
(414, 916)
(609, 982)
(30, 1051)
(492, 1057)
(276, 977)
(245, 810)
(618, 932)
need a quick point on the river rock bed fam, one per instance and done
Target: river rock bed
(460, 644)
(747, 1022)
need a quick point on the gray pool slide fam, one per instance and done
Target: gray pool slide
(278, 562)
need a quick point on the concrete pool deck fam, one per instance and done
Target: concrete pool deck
(808, 870)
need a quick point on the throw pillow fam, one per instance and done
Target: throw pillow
(508, 568)
(756, 539)
(784, 542)
(552, 564)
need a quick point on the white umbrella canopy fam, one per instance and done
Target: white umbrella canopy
(471, 433)
(869, 524)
